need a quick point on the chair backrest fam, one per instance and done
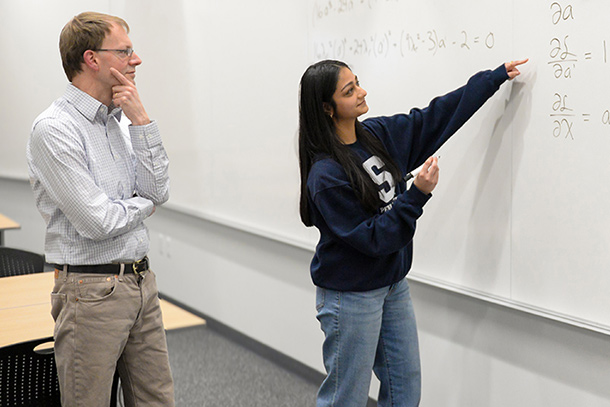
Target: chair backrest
(28, 377)
(14, 262)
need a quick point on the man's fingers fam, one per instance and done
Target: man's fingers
(121, 88)
(120, 77)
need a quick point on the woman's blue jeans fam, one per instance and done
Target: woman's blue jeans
(365, 332)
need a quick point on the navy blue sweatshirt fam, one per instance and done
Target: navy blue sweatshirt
(358, 251)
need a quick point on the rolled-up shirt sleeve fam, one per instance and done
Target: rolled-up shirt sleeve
(152, 163)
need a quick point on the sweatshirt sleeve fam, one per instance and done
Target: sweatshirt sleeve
(340, 211)
(412, 138)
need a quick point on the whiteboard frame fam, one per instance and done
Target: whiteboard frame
(413, 274)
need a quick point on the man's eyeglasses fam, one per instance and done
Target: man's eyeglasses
(123, 53)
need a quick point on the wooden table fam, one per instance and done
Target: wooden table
(6, 224)
(25, 309)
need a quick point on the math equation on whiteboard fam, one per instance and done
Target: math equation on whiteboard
(570, 65)
(399, 41)
(402, 43)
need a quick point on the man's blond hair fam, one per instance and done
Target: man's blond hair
(83, 32)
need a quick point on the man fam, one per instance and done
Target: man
(94, 185)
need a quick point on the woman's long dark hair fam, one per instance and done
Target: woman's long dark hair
(317, 136)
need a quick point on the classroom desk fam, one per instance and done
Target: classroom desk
(25, 309)
(6, 224)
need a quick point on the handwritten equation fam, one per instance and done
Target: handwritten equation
(564, 62)
(388, 43)
(328, 8)
(564, 116)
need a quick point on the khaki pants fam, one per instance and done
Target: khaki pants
(104, 322)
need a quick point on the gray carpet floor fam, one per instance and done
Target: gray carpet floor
(212, 371)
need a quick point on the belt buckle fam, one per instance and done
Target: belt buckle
(135, 266)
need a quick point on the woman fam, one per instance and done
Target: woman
(352, 190)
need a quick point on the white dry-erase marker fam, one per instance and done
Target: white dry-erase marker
(416, 171)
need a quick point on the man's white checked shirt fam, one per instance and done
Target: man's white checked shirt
(94, 185)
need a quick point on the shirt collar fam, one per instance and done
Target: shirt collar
(88, 106)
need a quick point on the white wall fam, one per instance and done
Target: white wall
(473, 353)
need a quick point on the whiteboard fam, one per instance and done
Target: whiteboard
(520, 215)
(224, 76)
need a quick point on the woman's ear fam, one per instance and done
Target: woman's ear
(328, 109)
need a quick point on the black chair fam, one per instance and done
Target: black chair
(28, 377)
(15, 262)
